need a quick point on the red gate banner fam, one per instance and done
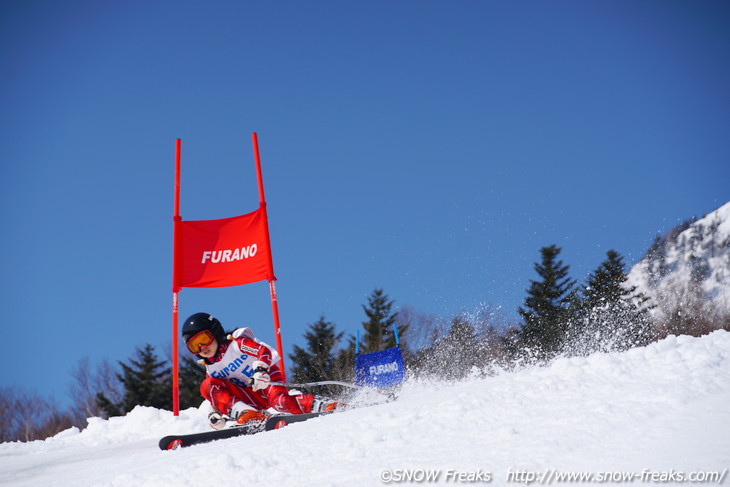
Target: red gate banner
(216, 253)
(226, 252)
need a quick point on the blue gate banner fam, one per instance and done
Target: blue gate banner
(380, 369)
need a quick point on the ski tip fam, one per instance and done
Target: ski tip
(170, 443)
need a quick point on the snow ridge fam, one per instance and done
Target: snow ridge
(695, 258)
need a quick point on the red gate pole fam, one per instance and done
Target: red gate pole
(175, 290)
(272, 287)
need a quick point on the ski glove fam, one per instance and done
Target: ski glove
(217, 420)
(260, 379)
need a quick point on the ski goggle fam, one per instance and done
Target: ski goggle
(199, 340)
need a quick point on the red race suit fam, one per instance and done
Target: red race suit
(229, 374)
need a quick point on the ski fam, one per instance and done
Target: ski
(173, 442)
(279, 421)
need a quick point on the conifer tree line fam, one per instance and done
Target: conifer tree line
(559, 317)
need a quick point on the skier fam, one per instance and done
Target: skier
(240, 371)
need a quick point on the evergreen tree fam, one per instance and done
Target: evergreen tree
(656, 256)
(379, 326)
(546, 309)
(190, 375)
(611, 315)
(108, 407)
(146, 382)
(317, 361)
(461, 347)
(344, 367)
(454, 355)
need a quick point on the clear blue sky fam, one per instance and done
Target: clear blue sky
(429, 148)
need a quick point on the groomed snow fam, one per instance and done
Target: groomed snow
(660, 409)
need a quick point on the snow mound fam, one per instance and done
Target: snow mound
(659, 407)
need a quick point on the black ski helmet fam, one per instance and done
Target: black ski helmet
(203, 321)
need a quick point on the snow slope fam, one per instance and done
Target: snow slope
(659, 410)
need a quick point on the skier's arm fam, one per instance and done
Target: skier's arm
(260, 379)
(255, 349)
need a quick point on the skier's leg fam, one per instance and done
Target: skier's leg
(222, 395)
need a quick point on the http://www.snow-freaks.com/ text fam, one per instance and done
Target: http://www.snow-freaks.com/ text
(549, 476)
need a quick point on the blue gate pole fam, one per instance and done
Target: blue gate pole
(395, 332)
